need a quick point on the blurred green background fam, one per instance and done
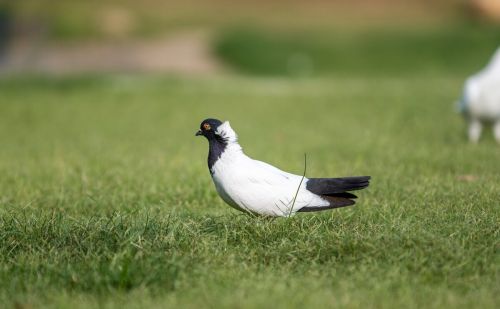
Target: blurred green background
(273, 38)
(105, 197)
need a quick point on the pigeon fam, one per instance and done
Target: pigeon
(258, 188)
(480, 102)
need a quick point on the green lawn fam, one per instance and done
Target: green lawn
(105, 197)
(457, 48)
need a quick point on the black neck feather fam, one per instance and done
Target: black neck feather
(215, 149)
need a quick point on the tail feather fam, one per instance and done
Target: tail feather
(334, 190)
(343, 194)
(330, 186)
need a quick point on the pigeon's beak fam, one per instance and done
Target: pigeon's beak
(198, 133)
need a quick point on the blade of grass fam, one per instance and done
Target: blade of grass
(300, 184)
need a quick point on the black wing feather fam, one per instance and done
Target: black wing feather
(331, 186)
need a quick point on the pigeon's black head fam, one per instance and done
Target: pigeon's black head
(208, 128)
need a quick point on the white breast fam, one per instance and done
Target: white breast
(483, 91)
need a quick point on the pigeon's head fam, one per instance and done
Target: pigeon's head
(216, 130)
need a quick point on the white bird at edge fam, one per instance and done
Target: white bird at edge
(480, 102)
(258, 188)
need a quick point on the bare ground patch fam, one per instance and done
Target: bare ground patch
(184, 52)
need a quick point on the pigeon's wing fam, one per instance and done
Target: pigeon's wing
(322, 193)
(275, 173)
(265, 189)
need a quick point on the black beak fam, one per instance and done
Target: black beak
(198, 133)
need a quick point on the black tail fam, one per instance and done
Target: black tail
(334, 190)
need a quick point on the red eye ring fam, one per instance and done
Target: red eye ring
(206, 126)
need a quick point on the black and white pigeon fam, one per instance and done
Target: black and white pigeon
(259, 188)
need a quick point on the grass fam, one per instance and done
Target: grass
(454, 48)
(105, 198)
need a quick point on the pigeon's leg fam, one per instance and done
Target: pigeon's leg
(475, 128)
(496, 130)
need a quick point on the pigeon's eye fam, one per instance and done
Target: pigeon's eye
(206, 126)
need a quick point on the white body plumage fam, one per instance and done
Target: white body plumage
(481, 99)
(257, 187)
